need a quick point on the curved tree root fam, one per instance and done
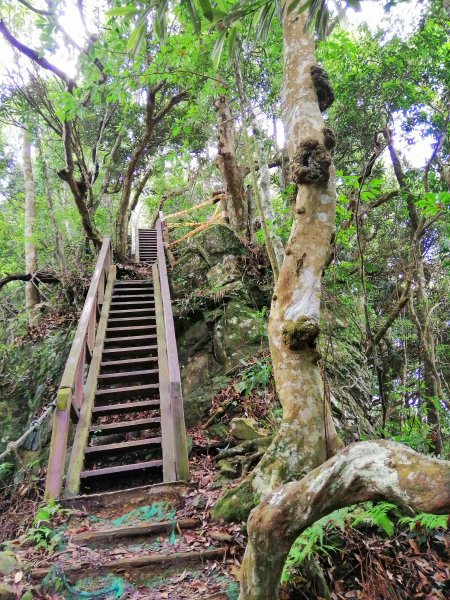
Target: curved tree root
(363, 471)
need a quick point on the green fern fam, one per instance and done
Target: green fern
(376, 515)
(312, 540)
(426, 521)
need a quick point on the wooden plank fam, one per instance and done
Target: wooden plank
(167, 431)
(130, 350)
(118, 533)
(176, 398)
(135, 328)
(149, 561)
(82, 432)
(138, 320)
(58, 445)
(126, 426)
(130, 338)
(128, 469)
(131, 446)
(121, 375)
(138, 391)
(129, 361)
(126, 407)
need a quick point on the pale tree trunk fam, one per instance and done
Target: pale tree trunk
(32, 297)
(378, 470)
(229, 169)
(267, 213)
(307, 436)
(59, 246)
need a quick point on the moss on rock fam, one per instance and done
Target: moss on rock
(235, 504)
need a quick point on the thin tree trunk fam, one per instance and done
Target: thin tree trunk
(307, 435)
(59, 246)
(267, 213)
(229, 169)
(421, 313)
(32, 296)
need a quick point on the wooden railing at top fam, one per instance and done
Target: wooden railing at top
(70, 392)
(176, 465)
(219, 215)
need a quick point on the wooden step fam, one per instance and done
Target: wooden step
(133, 282)
(138, 391)
(130, 339)
(128, 407)
(137, 303)
(138, 320)
(109, 535)
(130, 297)
(128, 469)
(126, 426)
(132, 312)
(131, 329)
(132, 446)
(134, 290)
(128, 362)
(132, 350)
(126, 376)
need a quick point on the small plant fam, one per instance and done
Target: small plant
(255, 375)
(42, 534)
(426, 521)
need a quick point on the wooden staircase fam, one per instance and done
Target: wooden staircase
(122, 385)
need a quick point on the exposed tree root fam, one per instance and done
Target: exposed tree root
(363, 471)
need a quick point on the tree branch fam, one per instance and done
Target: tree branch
(172, 102)
(38, 277)
(34, 56)
(375, 470)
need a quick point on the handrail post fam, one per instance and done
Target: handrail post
(176, 397)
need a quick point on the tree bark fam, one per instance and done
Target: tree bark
(229, 169)
(376, 470)
(32, 296)
(267, 212)
(307, 435)
(59, 246)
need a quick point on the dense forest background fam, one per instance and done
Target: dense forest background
(112, 111)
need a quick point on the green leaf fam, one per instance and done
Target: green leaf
(207, 9)
(195, 19)
(216, 53)
(123, 11)
(137, 37)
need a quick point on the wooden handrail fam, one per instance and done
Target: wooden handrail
(174, 378)
(70, 394)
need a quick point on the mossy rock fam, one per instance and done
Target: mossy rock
(237, 334)
(7, 592)
(236, 503)
(188, 274)
(8, 562)
(197, 403)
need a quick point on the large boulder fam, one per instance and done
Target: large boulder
(217, 314)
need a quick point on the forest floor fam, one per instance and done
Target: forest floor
(360, 562)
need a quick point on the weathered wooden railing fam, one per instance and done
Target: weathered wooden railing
(175, 455)
(218, 216)
(70, 394)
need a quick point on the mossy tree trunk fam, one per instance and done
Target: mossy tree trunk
(307, 436)
(363, 471)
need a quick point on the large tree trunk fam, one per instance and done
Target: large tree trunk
(32, 297)
(307, 435)
(381, 470)
(229, 169)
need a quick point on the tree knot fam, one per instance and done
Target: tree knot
(324, 91)
(301, 333)
(312, 163)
